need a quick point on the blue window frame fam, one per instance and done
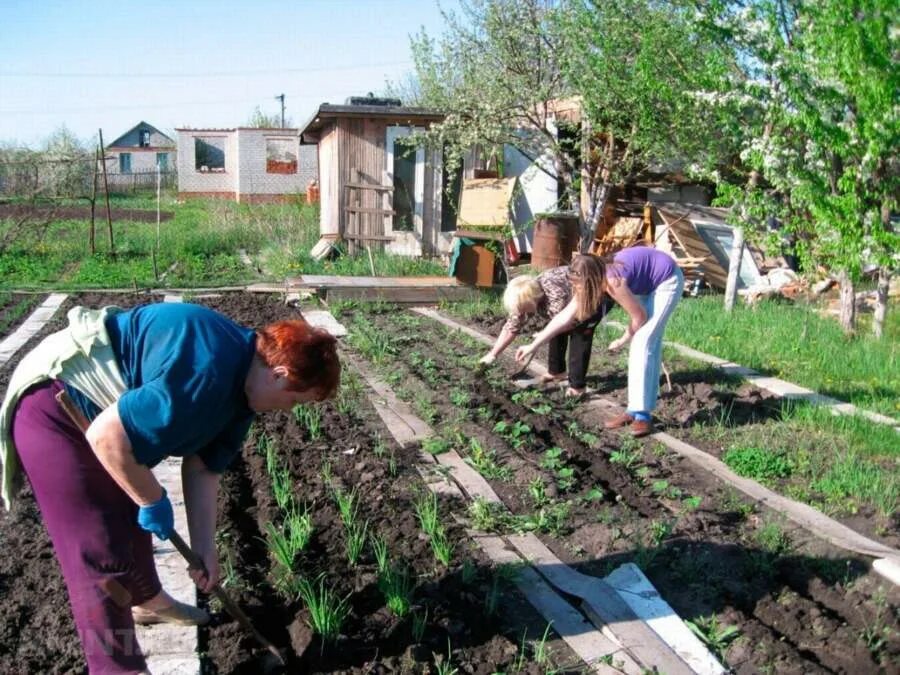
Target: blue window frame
(125, 162)
(162, 161)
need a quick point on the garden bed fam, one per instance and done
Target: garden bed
(599, 499)
(765, 595)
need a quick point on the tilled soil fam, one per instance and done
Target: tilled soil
(471, 613)
(44, 213)
(800, 605)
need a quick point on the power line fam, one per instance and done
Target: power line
(224, 73)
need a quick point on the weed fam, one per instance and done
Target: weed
(379, 449)
(716, 636)
(435, 445)
(327, 611)
(484, 462)
(659, 530)
(773, 539)
(627, 457)
(692, 503)
(759, 464)
(541, 653)
(282, 487)
(326, 472)
(487, 516)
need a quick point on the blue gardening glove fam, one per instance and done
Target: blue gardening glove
(158, 517)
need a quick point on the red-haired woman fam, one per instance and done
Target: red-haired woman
(154, 381)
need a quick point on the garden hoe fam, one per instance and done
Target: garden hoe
(194, 561)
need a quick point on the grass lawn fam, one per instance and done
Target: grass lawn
(197, 247)
(794, 342)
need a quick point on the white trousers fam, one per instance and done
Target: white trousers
(645, 355)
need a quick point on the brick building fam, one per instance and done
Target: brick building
(244, 164)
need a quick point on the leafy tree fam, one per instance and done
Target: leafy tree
(260, 120)
(638, 66)
(825, 76)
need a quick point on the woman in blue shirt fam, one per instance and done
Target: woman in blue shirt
(154, 381)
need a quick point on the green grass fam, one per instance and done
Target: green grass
(840, 463)
(793, 342)
(197, 247)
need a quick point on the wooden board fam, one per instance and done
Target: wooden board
(484, 202)
(402, 295)
(329, 282)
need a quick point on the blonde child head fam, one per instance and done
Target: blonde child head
(522, 295)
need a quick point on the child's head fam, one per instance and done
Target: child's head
(522, 295)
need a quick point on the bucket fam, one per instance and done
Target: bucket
(312, 192)
(555, 239)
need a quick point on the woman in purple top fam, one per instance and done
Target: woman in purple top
(648, 285)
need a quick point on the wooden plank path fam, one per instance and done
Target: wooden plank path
(31, 326)
(616, 628)
(427, 289)
(887, 559)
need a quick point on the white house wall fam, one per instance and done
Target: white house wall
(252, 178)
(191, 180)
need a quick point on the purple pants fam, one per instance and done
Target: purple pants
(106, 558)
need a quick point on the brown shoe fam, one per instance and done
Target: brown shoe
(179, 613)
(641, 428)
(619, 421)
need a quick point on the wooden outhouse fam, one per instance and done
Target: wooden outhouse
(376, 190)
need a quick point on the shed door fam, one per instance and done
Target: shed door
(405, 173)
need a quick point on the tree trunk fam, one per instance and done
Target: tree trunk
(848, 303)
(881, 301)
(599, 197)
(734, 268)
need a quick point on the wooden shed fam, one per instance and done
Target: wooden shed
(374, 189)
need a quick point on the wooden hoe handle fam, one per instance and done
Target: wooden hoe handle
(194, 561)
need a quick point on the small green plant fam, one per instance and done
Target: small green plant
(309, 417)
(772, 538)
(397, 587)
(716, 636)
(428, 513)
(326, 472)
(627, 457)
(516, 433)
(435, 445)
(382, 555)
(282, 487)
(565, 478)
(537, 489)
(540, 650)
(442, 547)
(444, 666)
(379, 449)
(356, 541)
(419, 624)
(348, 505)
(485, 463)
(327, 611)
(460, 398)
(552, 459)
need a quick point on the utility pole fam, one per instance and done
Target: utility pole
(280, 97)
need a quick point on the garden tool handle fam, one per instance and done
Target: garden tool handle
(74, 412)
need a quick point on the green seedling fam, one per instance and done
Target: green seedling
(716, 636)
(552, 459)
(428, 514)
(382, 555)
(309, 417)
(326, 472)
(460, 398)
(442, 547)
(442, 666)
(356, 541)
(419, 623)
(595, 494)
(627, 457)
(379, 449)
(282, 487)
(540, 649)
(565, 478)
(348, 505)
(692, 503)
(516, 434)
(537, 489)
(327, 611)
(397, 587)
(486, 516)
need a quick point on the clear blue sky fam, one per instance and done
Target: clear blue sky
(90, 64)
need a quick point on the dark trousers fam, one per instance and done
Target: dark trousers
(579, 342)
(106, 558)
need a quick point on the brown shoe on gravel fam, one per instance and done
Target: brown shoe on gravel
(619, 421)
(641, 428)
(179, 613)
